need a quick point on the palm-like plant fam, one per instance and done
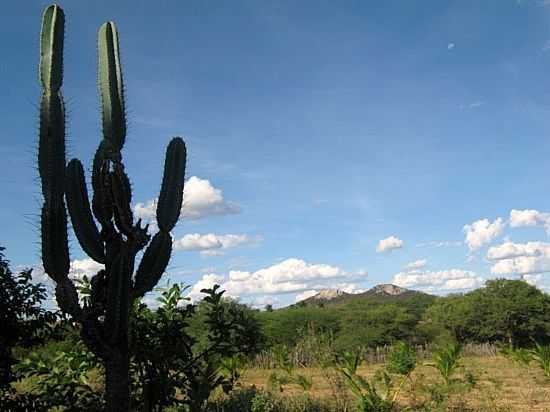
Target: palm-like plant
(447, 361)
(368, 398)
(521, 356)
(541, 355)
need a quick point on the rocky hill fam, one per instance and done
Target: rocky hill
(383, 292)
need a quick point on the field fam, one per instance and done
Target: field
(500, 385)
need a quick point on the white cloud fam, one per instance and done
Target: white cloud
(210, 244)
(77, 269)
(206, 282)
(349, 288)
(200, 199)
(417, 264)
(444, 243)
(529, 217)
(539, 281)
(262, 301)
(290, 275)
(510, 250)
(520, 258)
(450, 46)
(212, 253)
(82, 267)
(481, 232)
(443, 280)
(388, 244)
(473, 105)
(305, 294)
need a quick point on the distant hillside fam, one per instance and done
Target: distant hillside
(379, 293)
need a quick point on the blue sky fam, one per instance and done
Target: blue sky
(315, 130)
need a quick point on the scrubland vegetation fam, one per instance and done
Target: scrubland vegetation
(486, 350)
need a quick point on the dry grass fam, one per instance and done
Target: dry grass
(501, 385)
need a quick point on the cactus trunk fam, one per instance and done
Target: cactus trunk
(117, 381)
(118, 240)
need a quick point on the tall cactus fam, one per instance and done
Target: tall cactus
(104, 320)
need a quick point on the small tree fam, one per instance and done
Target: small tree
(183, 346)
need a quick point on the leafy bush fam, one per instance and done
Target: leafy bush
(63, 380)
(24, 321)
(184, 347)
(401, 360)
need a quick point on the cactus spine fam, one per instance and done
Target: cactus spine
(115, 245)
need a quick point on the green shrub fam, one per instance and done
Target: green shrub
(63, 380)
(401, 360)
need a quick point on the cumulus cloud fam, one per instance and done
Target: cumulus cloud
(349, 288)
(481, 232)
(206, 282)
(210, 244)
(510, 250)
(520, 258)
(200, 199)
(77, 269)
(261, 302)
(288, 276)
(417, 264)
(442, 280)
(84, 267)
(529, 217)
(388, 244)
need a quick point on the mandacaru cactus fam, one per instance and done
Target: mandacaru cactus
(104, 320)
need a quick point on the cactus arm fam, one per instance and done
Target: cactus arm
(67, 298)
(122, 198)
(153, 264)
(171, 193)
(51, 145)
(55, 248)
(111, 87)
(102, 204)
(51, 48)
(79, 209)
